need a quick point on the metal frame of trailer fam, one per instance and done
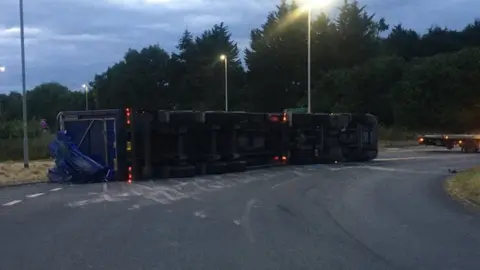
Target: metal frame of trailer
(468, 143)
(98, 133)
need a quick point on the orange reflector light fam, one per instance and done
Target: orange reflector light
(460, 142)
(284, 158)
(420, 139)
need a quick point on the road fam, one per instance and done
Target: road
(388, 214)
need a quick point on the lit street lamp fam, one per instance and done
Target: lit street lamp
(225, 60)
(3, 69)
(85, 87)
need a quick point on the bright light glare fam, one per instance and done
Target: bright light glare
(311, 4)
(223, 57)
(3, 69)
(84, 86)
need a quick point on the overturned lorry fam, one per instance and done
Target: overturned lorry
(134, 145)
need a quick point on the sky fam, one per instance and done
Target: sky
(69, 41)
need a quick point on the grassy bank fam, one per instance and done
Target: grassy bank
(465, 186)
(396, 137)
(12, 149)
(11, 160)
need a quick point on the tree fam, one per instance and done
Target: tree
(46, 100)
(440, 92)
(277, 60)
(139, 80)
(358, 34)
(198, 75)
(403, 42)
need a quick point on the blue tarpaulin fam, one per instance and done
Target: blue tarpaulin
(71, 165)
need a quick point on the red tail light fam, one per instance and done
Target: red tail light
(127, 115)
(274, 118)
(130, 176)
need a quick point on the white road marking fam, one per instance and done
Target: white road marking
(245, 221)
(12, 203)
(404, 158)
(34, 195)
(200, 214)
(388, 169)
(56, 189)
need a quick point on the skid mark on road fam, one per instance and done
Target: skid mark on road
(167, 192)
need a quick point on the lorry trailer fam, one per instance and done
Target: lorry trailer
(468, 143)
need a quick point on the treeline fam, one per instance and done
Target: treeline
(44, 102)
(419, 81)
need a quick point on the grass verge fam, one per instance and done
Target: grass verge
(11, 160)
(12, 149)
(465, 186)
(396, 137)
(12, 173)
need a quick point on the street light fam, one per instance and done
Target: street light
(84, 86)
(308, 5)
(225, 60)
(24, 89)
(3, 69)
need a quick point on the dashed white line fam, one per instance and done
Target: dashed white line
(34, 195)
(56, 189)
(12, 203)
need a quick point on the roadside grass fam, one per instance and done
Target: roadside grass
(396, 137)
(12, 170)
(465, 186)
(12, 149)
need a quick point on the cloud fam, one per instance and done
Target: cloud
(70, 40)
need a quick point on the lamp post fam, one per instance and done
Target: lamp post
(2, 69)
(24, 90)
(309, 60)
(85, 87)
(225, 60)
(308, 5)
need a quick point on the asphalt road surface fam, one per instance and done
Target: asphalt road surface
(388, 214)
